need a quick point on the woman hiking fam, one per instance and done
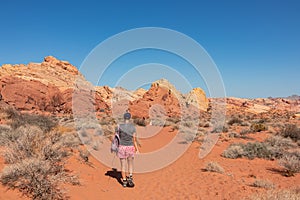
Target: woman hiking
(127, 148)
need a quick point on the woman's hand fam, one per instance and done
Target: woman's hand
(137, 150)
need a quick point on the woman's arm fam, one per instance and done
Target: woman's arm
(136, 142)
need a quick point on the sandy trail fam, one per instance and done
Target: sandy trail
(183, 179)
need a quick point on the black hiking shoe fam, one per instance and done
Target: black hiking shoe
(125, 182)
(130, 181)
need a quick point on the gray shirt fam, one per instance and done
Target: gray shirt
(126, 132)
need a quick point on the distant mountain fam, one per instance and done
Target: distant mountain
(294, 97)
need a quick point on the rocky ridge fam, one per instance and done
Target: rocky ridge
(49, 87)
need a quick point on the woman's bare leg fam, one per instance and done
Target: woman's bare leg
(130, 165)
(123, 167)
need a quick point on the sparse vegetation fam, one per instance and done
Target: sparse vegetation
(219, 129)
(139, 121)
(173, 120)
(263, 184)
(291, 131)
(35, 154)
(188, 134)
(288, 194)
(291, 162)
(249, 150)
(36, 166)
(19, 119)
(234, 120)
(233, 151)
(258, 127)
(84, 155)
(245, 132)
(234, 135)
(280, 142)
(214, 167)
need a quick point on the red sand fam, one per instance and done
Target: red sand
(183, 179)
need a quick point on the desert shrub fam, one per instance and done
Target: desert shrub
(4, 134)
(234, 120)
(45, 123)
(188, 124)
(36, 163)
(249, 150)
(291, 131)
(263, 184)
(214, 167)
(98, 132)
(234, 135)
(219, 129)
(245, 124)
(291, 162)
(245, 132)
(95, 145)
(279, 141)
(37, 178)
(258, 127)
(188, 134)
(139, 121)
(11, 113)
(70, 140)
(83, 133)
(84, 155)
(173, 120)
(233, 151)
(288, 194)
(108, 120)
(93, 124)
(157, 122)
(257, 149)
(175, 127)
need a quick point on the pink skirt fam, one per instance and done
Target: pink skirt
(126, 151)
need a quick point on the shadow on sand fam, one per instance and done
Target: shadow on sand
(280, 171)
(114, 173)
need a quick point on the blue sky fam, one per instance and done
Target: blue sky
(255, 44)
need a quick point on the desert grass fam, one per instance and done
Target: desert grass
(35, 153)
(36, 163)
(291, 163)
(249, 150)
(214, 167)
(260, 183)
(286, 194)
(280, 142)
(235, 120)
(20, 119)
(291, 131)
